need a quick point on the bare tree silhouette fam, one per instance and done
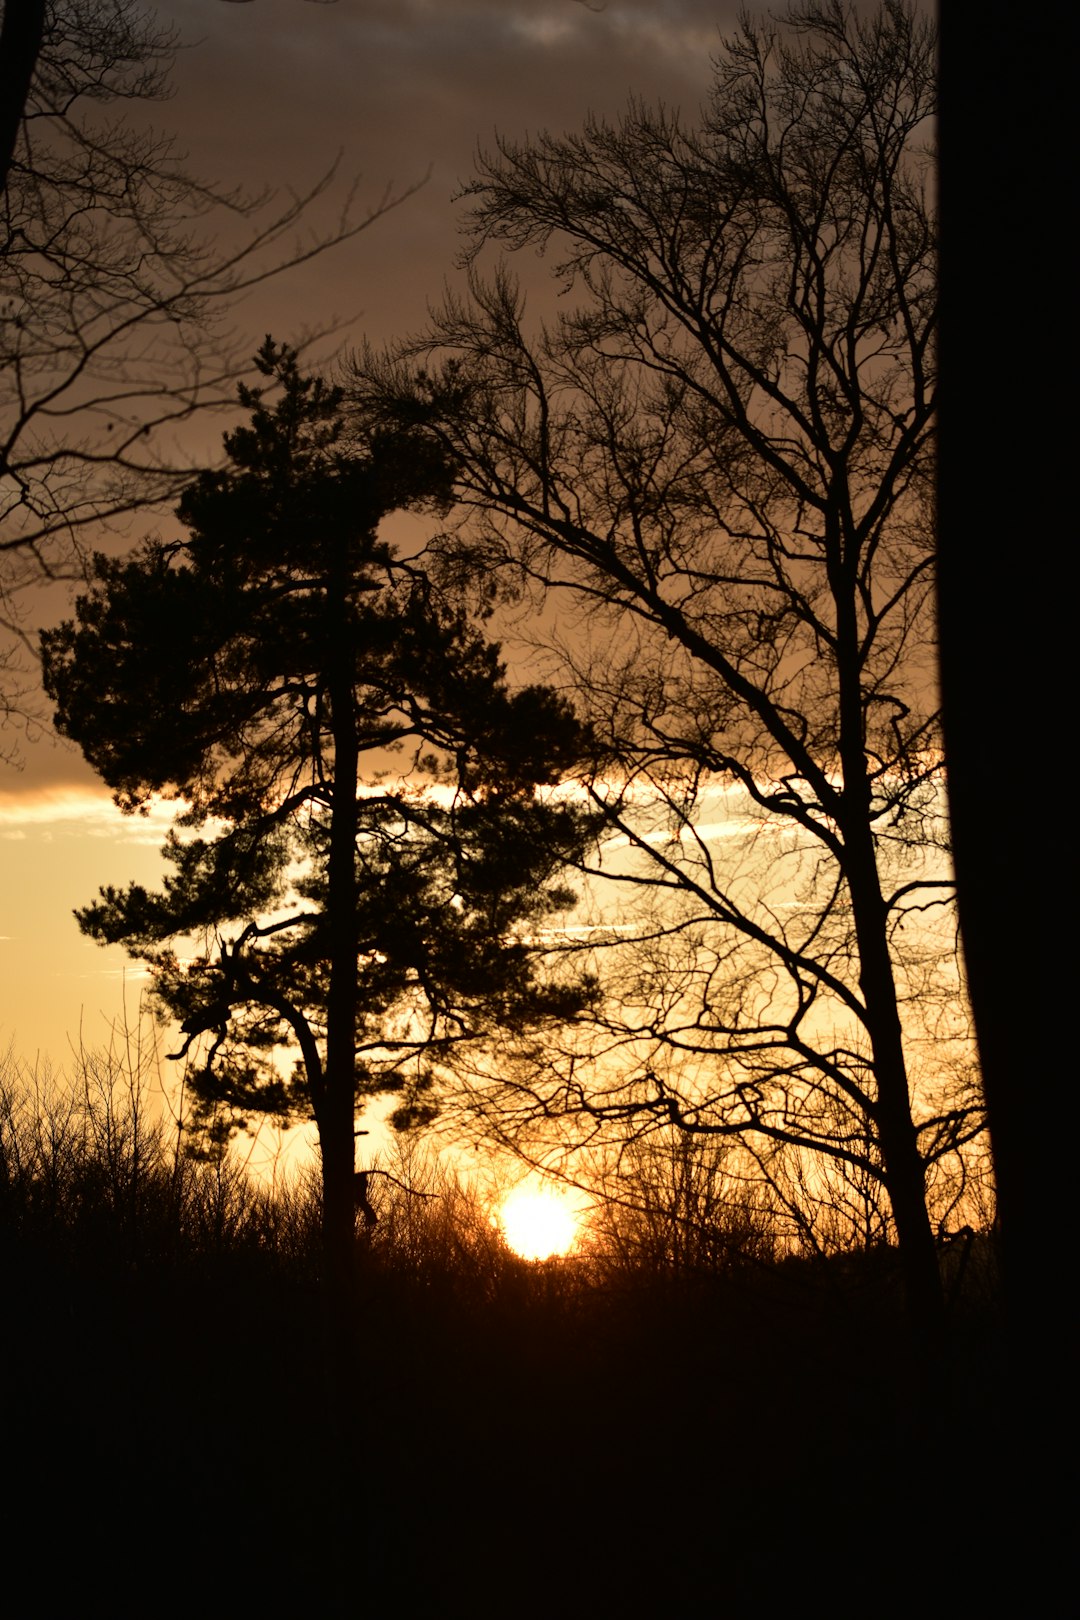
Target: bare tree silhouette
(724, 459)
(118, 272)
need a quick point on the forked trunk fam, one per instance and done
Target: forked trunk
(905, 1172)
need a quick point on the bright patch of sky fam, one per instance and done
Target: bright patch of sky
(58, 988)
(80, 813)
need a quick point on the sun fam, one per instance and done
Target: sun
(538, 1222)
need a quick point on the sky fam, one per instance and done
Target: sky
(271, 93)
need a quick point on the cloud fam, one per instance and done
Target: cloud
(406, 85)
(268, 95)
(81, 813)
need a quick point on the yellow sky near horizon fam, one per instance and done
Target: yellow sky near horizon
(57, 847)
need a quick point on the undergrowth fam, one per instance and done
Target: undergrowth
(184, 1397)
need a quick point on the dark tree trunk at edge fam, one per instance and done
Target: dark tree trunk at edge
(20, 45)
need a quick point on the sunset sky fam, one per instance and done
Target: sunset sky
(645, 1128)
(268, 93)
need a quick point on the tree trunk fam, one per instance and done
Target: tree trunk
(338, 1211)
(20, 45)
(339, 1112)
(905, 1173)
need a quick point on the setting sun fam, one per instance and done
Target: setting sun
(538, 1223)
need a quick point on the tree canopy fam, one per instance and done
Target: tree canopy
(361, 863)
(722, 451)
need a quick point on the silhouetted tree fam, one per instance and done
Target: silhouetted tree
(725, 455)
(118, 269)
(267, 671)
(988, 696)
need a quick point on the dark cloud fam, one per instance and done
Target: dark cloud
(408, 89)
(267, 94)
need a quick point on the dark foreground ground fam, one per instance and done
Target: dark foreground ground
(196, 1434)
